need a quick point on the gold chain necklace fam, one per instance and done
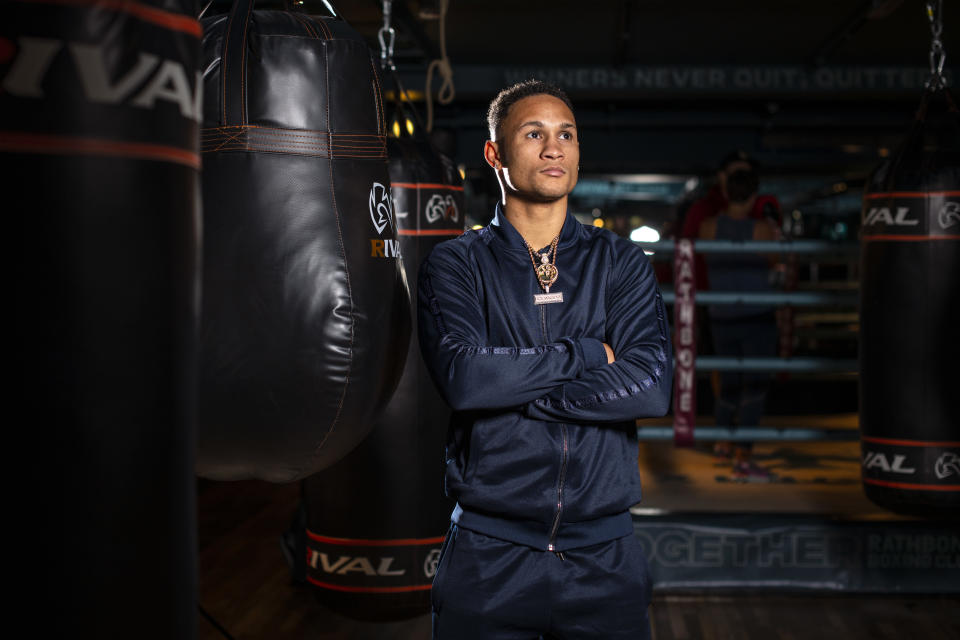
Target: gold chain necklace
(546, 271)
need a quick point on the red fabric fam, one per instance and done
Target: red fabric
(709, 206)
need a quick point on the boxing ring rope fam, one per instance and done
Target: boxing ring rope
(795, 298)
(753, 434)
(785, 246)
(790, 365)
(806, 365)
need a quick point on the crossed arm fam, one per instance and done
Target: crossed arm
(570, 380)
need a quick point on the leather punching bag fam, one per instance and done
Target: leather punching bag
(909, 316)
(375, 521)
(306, 317)
(99, 144)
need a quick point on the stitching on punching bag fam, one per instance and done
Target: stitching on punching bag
(306, 25)
(326, 30)
(378, 105)
(243, 66)
(343, 249)
(223, 70)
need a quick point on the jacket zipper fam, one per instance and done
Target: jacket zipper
(563, 455)
(563, 473)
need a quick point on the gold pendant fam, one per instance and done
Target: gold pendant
(547, 274)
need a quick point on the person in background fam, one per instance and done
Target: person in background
(740, 330)
(716, 200)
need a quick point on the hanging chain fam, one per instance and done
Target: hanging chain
(937, 54)
(387, 36)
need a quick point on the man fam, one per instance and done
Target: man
(739, 330)
(547, 338)
(716, 200)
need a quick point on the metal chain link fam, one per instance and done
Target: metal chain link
(938, 56)
(387, 37)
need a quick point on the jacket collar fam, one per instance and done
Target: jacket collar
(508, 234)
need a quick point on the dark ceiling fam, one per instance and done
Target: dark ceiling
(622, 32)
(818, 90)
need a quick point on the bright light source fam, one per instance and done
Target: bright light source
(477, 227)
(462, 170)
(396, 129)
(409, 126)
(645, 234)
(598, 222)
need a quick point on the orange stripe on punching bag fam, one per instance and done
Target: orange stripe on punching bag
(913, 486)
(76, 145)
(365, 542)
(909, 443)
(340, 587)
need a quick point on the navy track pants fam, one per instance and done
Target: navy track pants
(490, 589)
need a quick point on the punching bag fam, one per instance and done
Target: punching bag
(99, 144)
(372, 550)
(306, 317)
(909, 316)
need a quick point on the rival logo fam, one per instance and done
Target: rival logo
(346, 564)
(431, 563)
(380, 205)
(877, 460)
(149, 80)
(440, 206)
(949, 215)
(882, 214)
(385, 248)
(947, 465)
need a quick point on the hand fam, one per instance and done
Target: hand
(609, 351)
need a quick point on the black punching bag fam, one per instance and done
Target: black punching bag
(909, 318)
(376, 520)
(99, 143)
(306, 316)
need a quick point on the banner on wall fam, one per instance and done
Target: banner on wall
(800, 552)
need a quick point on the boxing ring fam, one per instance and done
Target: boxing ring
(651, 430)
(811, 528)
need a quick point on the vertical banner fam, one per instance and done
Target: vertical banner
(685, 345)
(786, 314)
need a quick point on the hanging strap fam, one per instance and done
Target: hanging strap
(233, 61)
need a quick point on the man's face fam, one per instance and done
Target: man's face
(537, 149)
(737, 165)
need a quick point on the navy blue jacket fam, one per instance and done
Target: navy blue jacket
(542, 446)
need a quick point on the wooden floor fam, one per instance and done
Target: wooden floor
(805, 618)
(245, 585)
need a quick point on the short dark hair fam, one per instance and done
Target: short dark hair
(738, 156)
(511, 95)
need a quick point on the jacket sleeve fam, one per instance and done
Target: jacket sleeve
(638, 383)
(468, 371)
